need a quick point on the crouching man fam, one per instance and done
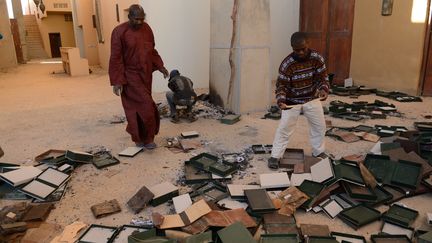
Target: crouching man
(182, 95)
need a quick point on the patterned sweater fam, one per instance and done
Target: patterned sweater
(300, 80)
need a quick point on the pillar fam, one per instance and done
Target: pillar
(7, 48)
(18, 15)
(251, 83)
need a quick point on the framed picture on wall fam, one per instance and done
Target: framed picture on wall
(387, 7)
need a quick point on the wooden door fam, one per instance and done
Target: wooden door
(17, 41)
(427, 59)
(329, 26)
(313, 21)
(55, 44)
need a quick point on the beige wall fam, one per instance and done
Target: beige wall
(55, 23)
(264, 43)
(85, 33)
(7, 48)
(182, 35)
(57, 5)
(386, 50)
(284, 21)
(108, 23)
(251, 87)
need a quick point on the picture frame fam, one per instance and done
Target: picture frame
(387, 7)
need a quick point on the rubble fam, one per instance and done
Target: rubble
(213, 204)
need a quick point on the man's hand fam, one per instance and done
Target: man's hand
(322, 95)
(164, 71)
(118, 89)
(284, 106)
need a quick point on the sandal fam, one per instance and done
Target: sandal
(273, 163)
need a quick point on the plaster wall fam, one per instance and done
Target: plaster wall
(284, 21)
(85, 33)
(220, 40)
(18, 15)
(251, 87)
(182, 35)
(55, 23)
(7, 48)
(58, 5)
(387, 50)
(108, 17)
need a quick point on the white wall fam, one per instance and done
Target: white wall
(7, 48)
(284, 20)
(182, 35)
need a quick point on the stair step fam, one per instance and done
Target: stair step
(33, 38)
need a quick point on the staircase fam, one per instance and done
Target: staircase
(33, 37)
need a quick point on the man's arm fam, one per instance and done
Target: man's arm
(281, 84)
(116, 64)
(157, 63)
(322, 77)
(116, 68)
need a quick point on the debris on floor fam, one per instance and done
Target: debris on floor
(210, 201)
(118, 119)
(356, 91)
(360, 110)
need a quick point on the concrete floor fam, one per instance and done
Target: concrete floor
(41, 111)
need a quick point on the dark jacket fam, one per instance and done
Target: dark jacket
(182, 88)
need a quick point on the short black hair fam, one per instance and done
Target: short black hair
(298, 38)
(136, 11)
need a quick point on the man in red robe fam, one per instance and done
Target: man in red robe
(132, 62)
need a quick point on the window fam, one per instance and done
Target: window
(68, 18)
(60, 5)
(98, 21)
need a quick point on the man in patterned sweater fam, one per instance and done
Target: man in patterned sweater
(301, 86)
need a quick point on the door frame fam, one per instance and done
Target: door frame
(51, 44)
(426, 47)
(327, 35)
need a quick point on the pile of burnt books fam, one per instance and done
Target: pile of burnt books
(359, 110)
(398, 96)
(47, 180)
(207, 167)
(352, 91)
(17, 218)
(356, 91)
(354, 134)
(273, 113)
(364, 132)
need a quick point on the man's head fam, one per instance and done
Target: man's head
(300, 45)
(136, 16)
(174, 73)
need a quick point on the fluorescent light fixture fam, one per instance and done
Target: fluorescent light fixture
(418, 12)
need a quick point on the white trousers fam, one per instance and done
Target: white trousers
(314, 113)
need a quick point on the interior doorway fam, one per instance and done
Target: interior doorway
(55, 44)
(426, 73)
(329, 26)
(17, 41)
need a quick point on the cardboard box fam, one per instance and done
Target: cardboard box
(106, 208)
(235, 233)
(163, 192)
(190, 215)
(400, 215)
(359, 216)
(230, 119)
(97, 232)
(20, 176)
(140, 200)
(79, 156)
(342, 237)
(259, 201)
